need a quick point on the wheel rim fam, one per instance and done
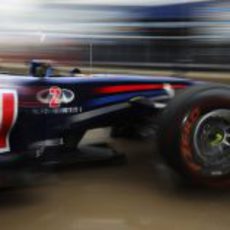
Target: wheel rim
(212, 142)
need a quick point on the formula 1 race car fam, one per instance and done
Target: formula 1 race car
(42, 110)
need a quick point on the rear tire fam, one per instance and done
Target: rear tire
(193, 134)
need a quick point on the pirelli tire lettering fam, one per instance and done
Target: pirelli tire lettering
(186, 147)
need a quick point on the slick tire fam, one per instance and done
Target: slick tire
(194, 134)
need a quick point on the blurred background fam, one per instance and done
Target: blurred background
(128, 36)
(161, 34)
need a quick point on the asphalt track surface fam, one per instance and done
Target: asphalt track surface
(140, 193)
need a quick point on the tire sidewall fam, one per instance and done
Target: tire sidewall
(180, 133)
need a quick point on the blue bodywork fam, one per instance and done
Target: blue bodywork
(49, 107)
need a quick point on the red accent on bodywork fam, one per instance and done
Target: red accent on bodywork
(179, 86)
(130, 88)
(8, 103)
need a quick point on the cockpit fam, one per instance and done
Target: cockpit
(41, 69)
(44, 69)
